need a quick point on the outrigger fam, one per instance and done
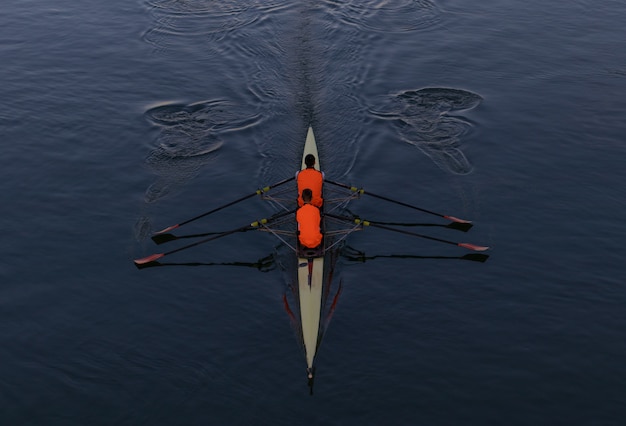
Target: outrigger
(310, 262)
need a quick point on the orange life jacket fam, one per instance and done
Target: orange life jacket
(308, 217)
(312, 179)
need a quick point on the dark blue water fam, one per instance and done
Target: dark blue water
(119, 118)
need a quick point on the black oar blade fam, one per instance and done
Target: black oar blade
(460, 226)
(163, 238)
(476, 257)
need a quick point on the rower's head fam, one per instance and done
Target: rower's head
(307, 195)
(309, 160)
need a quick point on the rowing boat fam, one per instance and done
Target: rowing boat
(310, 279)
(312, 297)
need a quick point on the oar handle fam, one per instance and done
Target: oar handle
(264, 222)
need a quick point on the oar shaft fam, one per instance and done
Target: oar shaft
(245, 197)
(475, 257)
(252, 226)
(257, 192)
(401, 203)
(157, 256)
(401, 231)
(206, 240)
(428, 237)
(239, 200)
(415, 234)
(464, 227)
(165, 238)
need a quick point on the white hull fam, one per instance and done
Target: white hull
(310, 304)
(310, 280)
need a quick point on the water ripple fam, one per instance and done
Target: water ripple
(189, 137)
(181, 22)
(385, 15)
(424, 118)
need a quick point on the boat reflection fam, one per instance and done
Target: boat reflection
(315, 308)
(265, 264)
(310, 314)
(309, 309)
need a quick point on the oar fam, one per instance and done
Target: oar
(165, 238)
(475, 257)
(254, 225)
(257, 192)
(464, 245)
(265, 264)
(362, 191)
(388, 228)
(154, 257)
(458, 226)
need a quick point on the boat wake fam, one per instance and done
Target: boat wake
(428, 119)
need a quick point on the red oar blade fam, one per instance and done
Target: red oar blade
(457, 220)
(148, 259)
(168, 229)
(473, 247)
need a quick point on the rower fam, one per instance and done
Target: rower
(308, 217)
(312, 179)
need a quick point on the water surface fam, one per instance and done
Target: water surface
(121, 118)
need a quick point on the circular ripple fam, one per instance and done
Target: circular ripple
(387, 16)
(424, 118)
(189, 137)
(178, 23)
